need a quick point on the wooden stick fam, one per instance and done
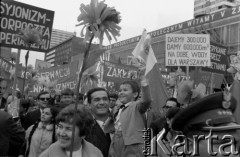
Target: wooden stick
(86, 54)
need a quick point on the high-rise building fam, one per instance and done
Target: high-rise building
(59, 36)
(203, 7)
(67, 51)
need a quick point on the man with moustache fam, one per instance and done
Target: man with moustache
(98, 100)
(211, 120)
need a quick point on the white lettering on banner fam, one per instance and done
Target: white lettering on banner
(218, 66)
(116, 72)
(59, 73)
(187, 50)
(60, 86)
(218, 50)
(23, 13)
(12, 39)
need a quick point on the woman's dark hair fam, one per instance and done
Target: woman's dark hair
(54, 112)
(113, 95)
(84, 119)
(42, 93)
(134, 85)
(91, 91)
(174, 100)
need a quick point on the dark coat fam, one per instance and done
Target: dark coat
(30, 118)
(3, 104)
(158, 125)
(98, 138)
(10, 133)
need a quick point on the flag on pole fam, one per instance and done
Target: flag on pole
(158, 90)
(93, 58)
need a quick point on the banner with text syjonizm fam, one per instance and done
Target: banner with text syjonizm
(66, 76)
(218, 59)
(187, 50)
(16, 16)
(117, 73)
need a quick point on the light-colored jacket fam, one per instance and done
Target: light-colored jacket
(41, 140)
(131, 119)
(88, 150)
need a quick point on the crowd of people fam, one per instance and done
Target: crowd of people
(110, 125)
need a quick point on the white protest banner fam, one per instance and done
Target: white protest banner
(187, 50)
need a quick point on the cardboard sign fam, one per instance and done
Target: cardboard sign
(187, 50)
(118, 72)
(16, 16)
(218, 59)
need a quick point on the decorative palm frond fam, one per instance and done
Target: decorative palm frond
(43, 81)
(51, 85)
(99, 19)
(187, 94)
(90, 79)
(31, 36)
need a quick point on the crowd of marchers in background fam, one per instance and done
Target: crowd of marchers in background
(108, 125)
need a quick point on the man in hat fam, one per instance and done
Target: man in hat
(208, 127)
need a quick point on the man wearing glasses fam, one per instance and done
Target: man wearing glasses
(161, 122)
(32, 116)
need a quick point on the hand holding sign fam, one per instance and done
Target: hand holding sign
(142, 77)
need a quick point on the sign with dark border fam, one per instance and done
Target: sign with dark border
(16, 16)
(218, 59)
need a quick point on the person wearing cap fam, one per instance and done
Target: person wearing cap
(211, 120)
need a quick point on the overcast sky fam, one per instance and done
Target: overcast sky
(136, 15)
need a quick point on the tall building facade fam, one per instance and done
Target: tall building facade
(222, 26)
(59, 36)
(67, 51)
(203, 7)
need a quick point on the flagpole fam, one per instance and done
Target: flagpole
(25, 71)
(86, 54)
(15, 75)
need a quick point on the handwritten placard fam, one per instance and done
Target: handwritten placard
(187, 50)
